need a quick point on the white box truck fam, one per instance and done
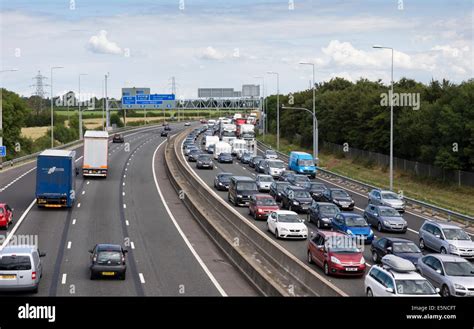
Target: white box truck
(211, 140)
(222, 147)
(96, 153)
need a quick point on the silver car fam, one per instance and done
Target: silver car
(270, 154)
(452, 274)
(20, 268)
(264, 182)
(274, 168)
(446, 238)
(386, 198)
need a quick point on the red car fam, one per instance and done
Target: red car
(6, 215)
(203, 121)
(261, 205)
(337, 253)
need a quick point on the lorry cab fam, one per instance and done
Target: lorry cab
(303, 163)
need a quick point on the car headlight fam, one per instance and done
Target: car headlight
(239, 195)
(335, 260)
(362, 260)
(459, 287)
(405, 223)
(371, 232)
(199, 162)
(220, 184)
(336, 201)
(349, 232)
(453, 248)
(296, 203)
(325, 219)
(386, 222)
(284, 229)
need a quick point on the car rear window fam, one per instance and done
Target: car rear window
(109, 257)
(15, 263)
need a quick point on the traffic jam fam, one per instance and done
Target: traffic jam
(365, 243)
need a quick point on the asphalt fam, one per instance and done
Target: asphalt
(124, 208)
(353, 286)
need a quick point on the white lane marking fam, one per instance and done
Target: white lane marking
(123, 193)
(124, 206)
(123, 183)
(127, 222)
(409, 229)
(88, 182)
(69, 244)
(178, 228)
(18, 223)
(142, 278)
(83, 192)
(79, 205)
(63, 280)
(369, 265)
(124, 176)
(74, 221)
(126, 169)
(132, 245)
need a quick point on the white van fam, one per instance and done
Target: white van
(239, 146)
(221, 147)
(20, 268)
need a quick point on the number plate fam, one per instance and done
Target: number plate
(351, 269)
(108, 273)
(8, 277)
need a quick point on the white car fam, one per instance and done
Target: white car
(286, 224)
(270, 154)
(274, 168)
(397, 277)
(264, 182)
(187, 124)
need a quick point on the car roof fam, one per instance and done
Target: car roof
(25, 249)
(329, 234)
(263, 175)
(349, 214)
(442, 225)
(325, 204)
(285, 212)
(225, 173)
(402, 275)
(263, 196)
(243, 178)
(298, 188)
(336, 189)
(448, 258)
(398, 239)
(383, 207)
(107, 246)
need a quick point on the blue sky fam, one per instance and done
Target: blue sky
(227, 43)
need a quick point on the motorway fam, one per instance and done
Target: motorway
(351, 286)
(135, 206)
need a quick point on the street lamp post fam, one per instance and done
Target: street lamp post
(315, 135)
(107, 115)
(1, 112)
(278, 108)
(315, 123)
(391, 118)
(263, 104)
(52, 99)
(81, 135)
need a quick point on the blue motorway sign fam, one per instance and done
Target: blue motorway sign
(3, 151)
(152, 99)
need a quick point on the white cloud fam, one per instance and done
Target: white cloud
(210, 53)
(101, 45)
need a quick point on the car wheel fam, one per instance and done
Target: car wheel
(318, 224)
(93, 276)
(443, 250)
(326, 268)
(422, 244)
(123, 276)
(375, 257)
(310, 258)
(379, 227)
(276, 234)
(370, 293)
(445, 291)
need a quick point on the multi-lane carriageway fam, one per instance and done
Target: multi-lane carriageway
(351, 286)
(169, 254)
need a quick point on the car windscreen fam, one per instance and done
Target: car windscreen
(109, 257)
(403, 247)
(459, 269)
(329, 209)
(315, 187)
(301, 194)
(247, 186)
(204, 158)
(455, 234)
(266, 179)
(281, 186)
(389, 212)
(225, 178)
(340, 194)
(1, 211)
(288, 218)
(390, 196)
(305, 163)
(342, 244)
(414, 287)
(356, 222)
(270, 152)
(266, 202)
(256, 159)
(226, 155)
(276, 164)
(15, 263)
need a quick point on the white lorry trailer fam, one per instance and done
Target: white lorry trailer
(96, 153)
(211, 140)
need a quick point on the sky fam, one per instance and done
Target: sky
(225, 44)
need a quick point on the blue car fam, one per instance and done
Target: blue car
(353, 224)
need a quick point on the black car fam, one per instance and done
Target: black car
(322, 213)
(339, 197)
(245, 158)
(260, 166)
(296, 199)
(298, 180)
(108, 260)
(225, 158)
(189, 148)
(118, 138)
(285, 174)
(168, 128)
(399, 247)
(276, 188)
(222, 180)
(164, 133)
(193, 155)
(315, 189)
(254, 161)
(204, 161)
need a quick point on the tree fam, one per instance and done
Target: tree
(14, 114)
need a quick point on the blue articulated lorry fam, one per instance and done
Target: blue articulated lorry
(56, 178)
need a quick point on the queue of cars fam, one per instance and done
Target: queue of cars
(280, 195)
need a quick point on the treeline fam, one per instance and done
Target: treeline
(440, 132)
